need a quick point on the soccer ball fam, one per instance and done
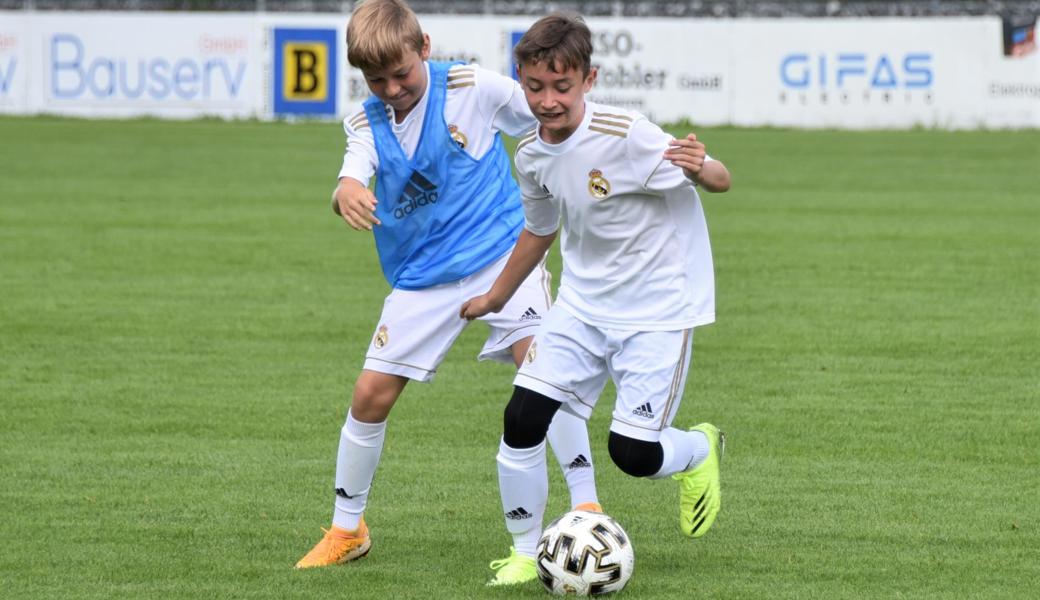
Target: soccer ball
(584, 553)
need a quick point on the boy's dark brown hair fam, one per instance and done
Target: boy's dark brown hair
(380, 32)
(561, 41)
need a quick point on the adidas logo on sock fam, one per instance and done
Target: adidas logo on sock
(529, 315)
(580, 462)
(644, 411)
(518, 514)
(342, 493)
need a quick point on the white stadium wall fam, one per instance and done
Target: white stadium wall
(841, 73)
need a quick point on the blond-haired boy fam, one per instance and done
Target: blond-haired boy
(445, 215)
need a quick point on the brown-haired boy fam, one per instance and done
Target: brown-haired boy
(445, 216)
(637, 278)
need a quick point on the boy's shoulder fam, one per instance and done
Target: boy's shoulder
(357, 119)
(462, 76)
(524, 150)
(611, 122)
(465, 77)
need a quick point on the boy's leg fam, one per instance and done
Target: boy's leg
(523, 481)
(562, 367)
(415, 331)
(568, 434)
(569, 439)
(361, 444)
(651, 370)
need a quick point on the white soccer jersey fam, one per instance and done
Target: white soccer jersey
(635, 243)
(479, 104)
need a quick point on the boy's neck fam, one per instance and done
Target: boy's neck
(558, 136)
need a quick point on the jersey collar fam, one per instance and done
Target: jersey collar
(574, 138)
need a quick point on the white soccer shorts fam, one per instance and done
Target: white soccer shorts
(418, 327)
(569, 361)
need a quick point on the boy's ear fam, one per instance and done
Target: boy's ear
(519, 76)
(590, 79)
(425, 54)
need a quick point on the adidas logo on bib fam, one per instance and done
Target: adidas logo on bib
(419, 192)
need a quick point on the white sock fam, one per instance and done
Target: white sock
(360, 445)
(569, 438)
(683, 450)
(524, 484)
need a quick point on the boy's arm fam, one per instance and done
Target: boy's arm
(530, 249)
(351, 199)
(541, 224)
(502, 101)
(683, 160)
(355, 203)
(689, 154)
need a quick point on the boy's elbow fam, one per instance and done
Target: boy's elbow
(716, 178)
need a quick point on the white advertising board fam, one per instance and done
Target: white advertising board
(843, 73)
(128, 64)
(13, 68)
(876, 73)
(668, 70)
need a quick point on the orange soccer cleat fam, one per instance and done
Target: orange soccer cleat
(337, 547)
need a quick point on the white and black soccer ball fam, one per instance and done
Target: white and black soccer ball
(584, 554)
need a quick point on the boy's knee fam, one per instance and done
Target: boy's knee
(637, 458)
(374, 396)
(527, 418)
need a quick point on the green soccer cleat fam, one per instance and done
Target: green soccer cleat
(700, 494)
(514, 570)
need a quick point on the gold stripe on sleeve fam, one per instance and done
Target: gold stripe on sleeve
(524, 142)
(611, 123)
(622, 117)
(620, 134)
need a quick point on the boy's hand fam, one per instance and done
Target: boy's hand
(355, 203)
(687, 153)
(475, 308)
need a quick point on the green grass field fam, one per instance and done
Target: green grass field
(182, 319)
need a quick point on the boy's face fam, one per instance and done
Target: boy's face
(557, 99)
(403, 84)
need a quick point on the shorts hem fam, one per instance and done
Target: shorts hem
(635, 432)
(571, 402)
(502, 351)
(393, 368)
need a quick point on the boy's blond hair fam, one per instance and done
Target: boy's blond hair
(380, 32)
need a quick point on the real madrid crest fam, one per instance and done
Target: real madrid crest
(599, 187)
(458, 136)
(532, 352)
(382, 337)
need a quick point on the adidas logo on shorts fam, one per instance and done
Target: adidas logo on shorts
(645, 411)
(530, 315)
